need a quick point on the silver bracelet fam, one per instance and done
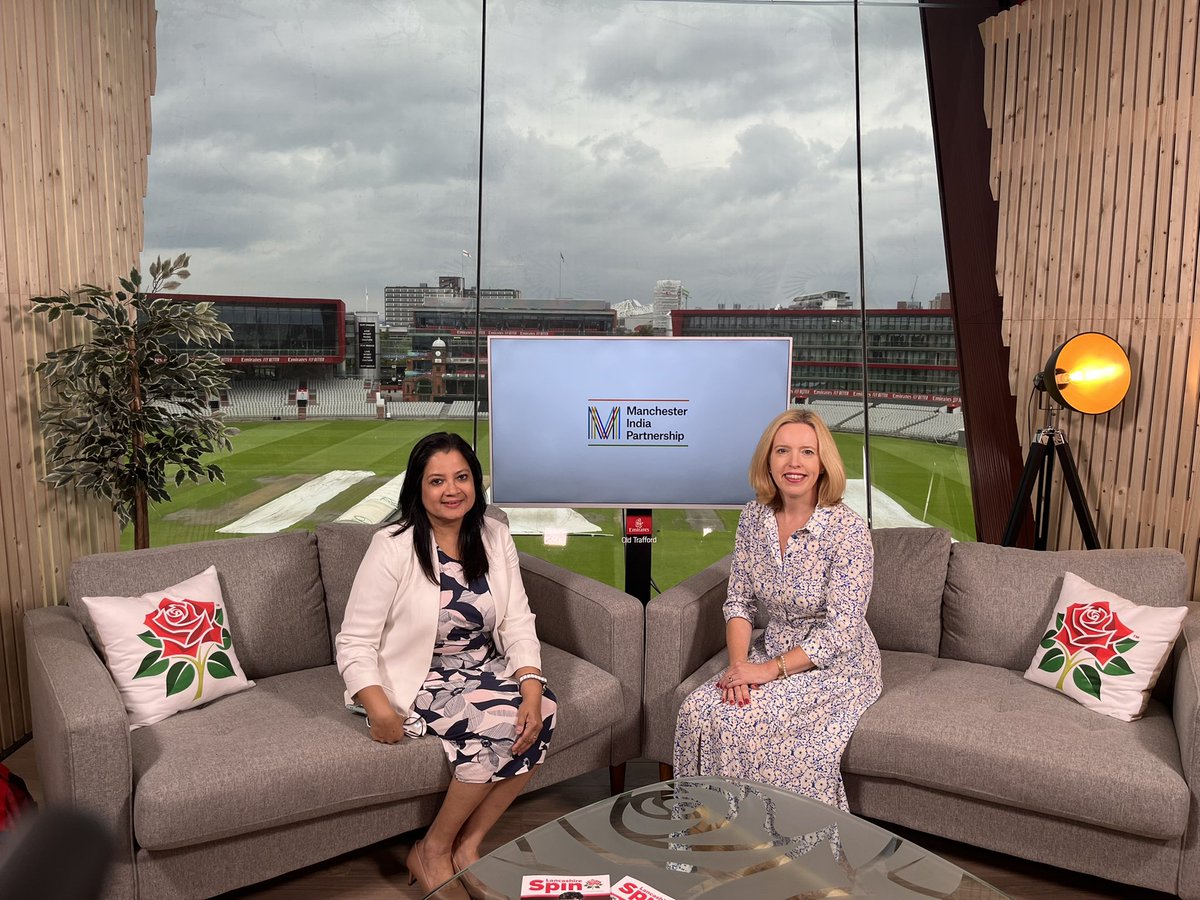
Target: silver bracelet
(535, 677)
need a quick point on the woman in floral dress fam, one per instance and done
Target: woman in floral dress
(438, 636)
(785, 708)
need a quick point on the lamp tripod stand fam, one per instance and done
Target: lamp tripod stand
(1039, 467)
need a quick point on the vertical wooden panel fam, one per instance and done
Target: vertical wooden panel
(1108, 206)
(75, 81)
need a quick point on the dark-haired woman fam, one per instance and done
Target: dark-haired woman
(438, 631)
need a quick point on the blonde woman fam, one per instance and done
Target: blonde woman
(784, 709)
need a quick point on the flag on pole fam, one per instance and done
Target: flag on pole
(561, 257)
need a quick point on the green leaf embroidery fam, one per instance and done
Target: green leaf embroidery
(1117, 666)
(150, 638)
(226, 639)
(220, 617)
(1126, 645)
(1058, 622)
(1053, 661)
(1087, 679)
(181, 675)
(1048, 639)
(219, 665)
(148, 662)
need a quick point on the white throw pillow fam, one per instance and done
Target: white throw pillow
(1104, 651)
(168, 650)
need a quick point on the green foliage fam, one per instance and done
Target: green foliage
(1053, 661)
(127, 403)
(1087, 679)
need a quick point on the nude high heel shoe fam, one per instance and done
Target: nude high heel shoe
(416, 868)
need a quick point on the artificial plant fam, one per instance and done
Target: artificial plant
(132, 401)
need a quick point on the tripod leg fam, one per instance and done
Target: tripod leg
(1041, 505)
(1071, 476)
(1033, 467)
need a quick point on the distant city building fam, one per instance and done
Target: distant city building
(452, 321)
(823, 300)
(633, 314)
(399, 301)
(668, 295)
(911, 354)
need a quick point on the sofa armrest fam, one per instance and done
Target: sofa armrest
(684, 628)
(598, 623)
(1185, 712)
(81, 732)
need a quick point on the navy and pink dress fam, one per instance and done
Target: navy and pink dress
(465, 699)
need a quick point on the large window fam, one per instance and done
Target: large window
(644, 166)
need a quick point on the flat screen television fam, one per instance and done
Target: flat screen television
(630, 421)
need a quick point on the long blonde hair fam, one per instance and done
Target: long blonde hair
(831, 484)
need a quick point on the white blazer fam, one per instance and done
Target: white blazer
(388, 633)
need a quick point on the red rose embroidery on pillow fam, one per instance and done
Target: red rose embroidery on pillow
(189, 638)
(1092, 627)
(183, 625)
(1088, 630)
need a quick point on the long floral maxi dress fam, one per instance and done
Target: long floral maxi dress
(793, 732)
(466, 700)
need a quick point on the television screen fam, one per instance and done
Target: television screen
(630, 421)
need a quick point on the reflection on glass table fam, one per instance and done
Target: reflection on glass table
(717, 838)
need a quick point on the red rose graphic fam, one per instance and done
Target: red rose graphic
(183, 625)
(1092, 627)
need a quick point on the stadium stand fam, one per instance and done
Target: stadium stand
(893, 419)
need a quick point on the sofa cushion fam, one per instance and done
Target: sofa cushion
(271, 586)
(905, 611)
(998, 599)
(985, 732)
(1103, 651)
(289, 750)
(169, 649)
(341, 547)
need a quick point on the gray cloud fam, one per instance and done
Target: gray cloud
(327, 148)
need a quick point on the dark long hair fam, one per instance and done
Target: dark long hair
(411, 512)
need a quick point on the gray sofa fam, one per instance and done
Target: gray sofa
(281, 776)
(959, 744)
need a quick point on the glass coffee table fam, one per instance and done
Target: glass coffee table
(721, 840)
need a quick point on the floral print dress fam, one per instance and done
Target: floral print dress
(466, 700)
(793, 732)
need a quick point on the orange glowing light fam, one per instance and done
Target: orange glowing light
(1089, 373)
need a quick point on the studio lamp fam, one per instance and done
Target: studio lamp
(1088, 374)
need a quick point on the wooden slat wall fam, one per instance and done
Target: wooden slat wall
(1096, 170)
(75, 83)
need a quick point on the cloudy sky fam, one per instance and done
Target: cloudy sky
(326, 148)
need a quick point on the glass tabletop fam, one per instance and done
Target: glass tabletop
(719, 839)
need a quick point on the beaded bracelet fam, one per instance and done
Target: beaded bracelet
(535, 677)
(783, 673)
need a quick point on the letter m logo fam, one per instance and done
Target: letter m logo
(604, 429)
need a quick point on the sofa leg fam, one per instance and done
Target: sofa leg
(616, 779)
(665, 772)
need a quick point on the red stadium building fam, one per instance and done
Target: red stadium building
(274, 331)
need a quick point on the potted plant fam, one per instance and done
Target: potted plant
(132, 400)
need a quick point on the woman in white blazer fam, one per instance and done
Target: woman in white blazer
(438, 636)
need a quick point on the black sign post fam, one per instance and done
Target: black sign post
(638, 538)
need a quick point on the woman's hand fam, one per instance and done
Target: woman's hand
(741, 678)
(387, 729)
(529, 721)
